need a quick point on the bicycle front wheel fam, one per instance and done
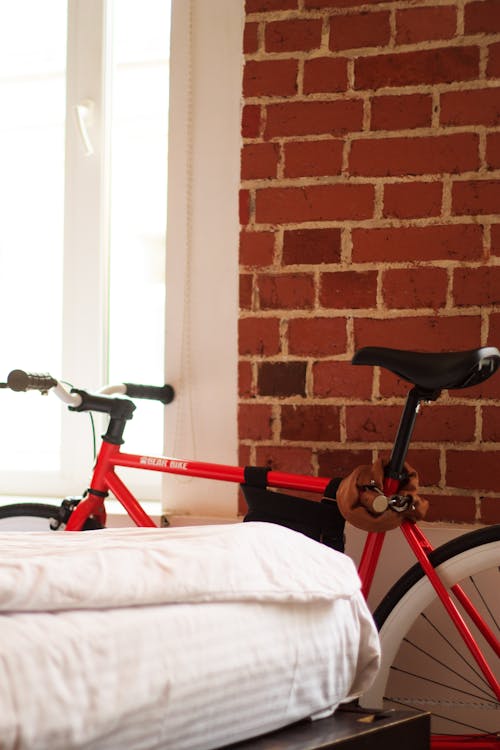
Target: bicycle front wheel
(28, 517)
(37, 517)
(425, 663)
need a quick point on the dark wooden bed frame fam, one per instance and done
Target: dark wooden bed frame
(351, 728)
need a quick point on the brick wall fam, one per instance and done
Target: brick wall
(370, 213)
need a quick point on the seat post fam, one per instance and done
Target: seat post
(395, 468)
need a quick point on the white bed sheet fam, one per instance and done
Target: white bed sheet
(187, 638)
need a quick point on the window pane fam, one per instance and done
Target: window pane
(32, 92)
(141, 35)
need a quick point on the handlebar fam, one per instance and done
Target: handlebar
(164, 393)
(21, 381)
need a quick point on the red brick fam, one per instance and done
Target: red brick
(391, 385)
(364, 29)
(314, 117)
(282, 379)
(244, 206)
(245, 388)
(472, 469)
(372, 424)
(445, 423)
(340, 463)
(259, 336)
(401, 112)
(411, 288)
(285, 458)
(454, 508)
(440, 242)
(379, 423)
(490, 510)
(494, 337)
(491, 423)
(293, 35)
(473, 107)
(245, 295)
(243, 455)
(256, 248)
(493, 150)
(426, 462)
(398, 156)
(476, 197)
(313, 158)
(477, 286)
(325, 74)
(250, 38)
(493, 67)
(483, 16)
(495, 239)
(339, 3)
(259, 160)
(408, 200)
(429, 333)
(430, 66)
(314, 203)
(293, 291)
(250, 121)
(341, 380)
(310, 422)
(348, 289)
(311, 246)
(261, 6)
(317, 337)
(270, 78)
(415, 25)
(255, 421)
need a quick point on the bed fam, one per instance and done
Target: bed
(185, 638)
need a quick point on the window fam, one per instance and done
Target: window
(84, 86)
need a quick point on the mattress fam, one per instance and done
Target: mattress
(187, 638)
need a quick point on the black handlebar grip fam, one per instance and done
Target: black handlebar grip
(164, 393)
(18, 380)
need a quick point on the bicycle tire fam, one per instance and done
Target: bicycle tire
(425, 663)
(34, 517)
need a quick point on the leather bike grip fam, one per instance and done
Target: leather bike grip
(164, 393)
(19, 380)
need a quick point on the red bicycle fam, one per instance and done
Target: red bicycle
(439, 624)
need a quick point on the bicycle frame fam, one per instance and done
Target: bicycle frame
(105, 479)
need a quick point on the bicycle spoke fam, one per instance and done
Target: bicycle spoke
(447, 666)
(485, 603)
(441, 684)
(461, 655)
(421, 702)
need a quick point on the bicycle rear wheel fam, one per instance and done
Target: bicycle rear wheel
(425, 663)
(35, 517)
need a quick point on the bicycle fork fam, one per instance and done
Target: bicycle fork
(421, 548)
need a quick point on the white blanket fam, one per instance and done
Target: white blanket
(190, 638)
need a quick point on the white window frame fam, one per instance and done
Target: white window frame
(86, 244)
(206, 65)
(202, 242)
(85, 254)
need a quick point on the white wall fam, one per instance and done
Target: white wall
(202, 248)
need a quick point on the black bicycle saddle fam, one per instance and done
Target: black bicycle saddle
(433, 371)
